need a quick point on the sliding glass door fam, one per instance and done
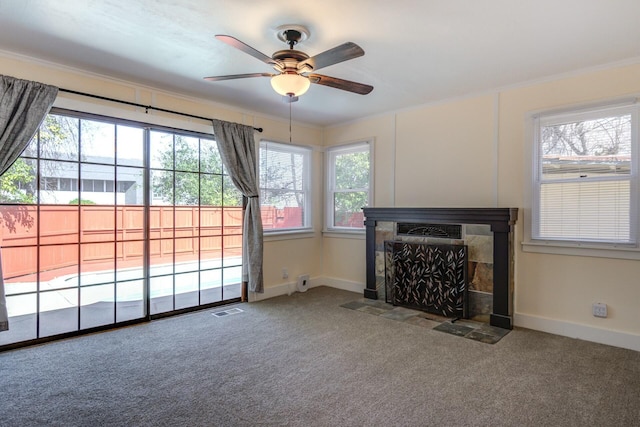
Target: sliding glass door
(107, 222)
(195, 224)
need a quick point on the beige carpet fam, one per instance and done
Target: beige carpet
(303, 360)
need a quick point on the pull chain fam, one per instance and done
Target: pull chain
(290, 122)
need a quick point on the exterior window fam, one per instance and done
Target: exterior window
(349, 185)
(285, 199)
(585, 177)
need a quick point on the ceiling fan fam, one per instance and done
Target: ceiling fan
(295, 70)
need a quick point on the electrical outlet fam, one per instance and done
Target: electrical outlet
(599, 309)
(285, 273)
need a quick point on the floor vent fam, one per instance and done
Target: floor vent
(227, 312)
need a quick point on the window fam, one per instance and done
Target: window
(585, 178)
(285, 200)
(349, 185)
(96, 233)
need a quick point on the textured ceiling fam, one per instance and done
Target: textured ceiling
(417, 52)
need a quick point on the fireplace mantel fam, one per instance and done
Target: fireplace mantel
(501, 221)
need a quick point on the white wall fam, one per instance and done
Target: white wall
(445, 155)
(474, 152)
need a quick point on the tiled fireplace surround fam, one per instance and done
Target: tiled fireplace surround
(488, 234)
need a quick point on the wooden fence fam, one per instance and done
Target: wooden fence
(98, 236)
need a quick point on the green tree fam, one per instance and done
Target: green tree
(77, 201)
(210, 189)
(352, 185)
(18, 183)
(55, 139)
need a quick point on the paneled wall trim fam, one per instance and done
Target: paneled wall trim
(501, 221)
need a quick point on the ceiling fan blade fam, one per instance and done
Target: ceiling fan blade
(359, 88)
(237, 76)
(336, 55)
(234, 42)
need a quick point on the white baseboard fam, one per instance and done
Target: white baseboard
(345, 285)
(291, 287)
(575, 330)
(273, 291)
(281, 289)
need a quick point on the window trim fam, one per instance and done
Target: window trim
(617, 250)
(330, 154)
(307, 153)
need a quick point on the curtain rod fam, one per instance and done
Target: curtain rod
(134, 104)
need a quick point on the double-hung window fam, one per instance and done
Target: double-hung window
(349, 185)
(585, 180)
(285, 200)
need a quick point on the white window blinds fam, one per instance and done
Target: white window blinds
(586, 177)
(285, 186)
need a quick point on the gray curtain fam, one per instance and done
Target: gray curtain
(23, 106)
(238, 151)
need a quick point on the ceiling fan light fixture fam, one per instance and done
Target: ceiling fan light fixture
(290, 84)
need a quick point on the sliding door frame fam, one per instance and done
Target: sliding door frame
(147, 258)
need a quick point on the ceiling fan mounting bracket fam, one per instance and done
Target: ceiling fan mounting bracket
(292, 34)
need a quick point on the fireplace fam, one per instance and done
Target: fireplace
(488, 233)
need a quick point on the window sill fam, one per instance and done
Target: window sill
(344, 234)
(586, 249)
(272, 236)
